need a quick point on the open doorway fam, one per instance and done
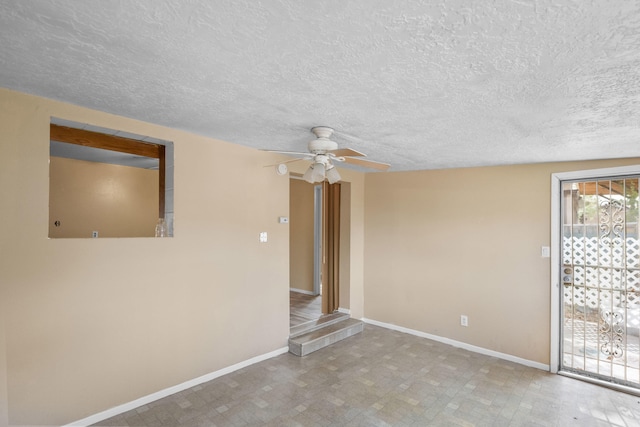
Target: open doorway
(305, 222)
(315, 246)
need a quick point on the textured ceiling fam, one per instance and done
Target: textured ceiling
(418, 84)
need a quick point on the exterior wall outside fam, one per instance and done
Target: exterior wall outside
(89, 324)
(446, 243)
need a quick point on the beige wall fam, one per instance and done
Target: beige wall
(114, 200)
(301, 236)
(443, 243)
(4, 398)
(356, 242)
(94, 323)
(345, 246)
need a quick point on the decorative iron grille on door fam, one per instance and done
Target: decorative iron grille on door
(601, 280)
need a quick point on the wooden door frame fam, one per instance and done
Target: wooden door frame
(331, 235)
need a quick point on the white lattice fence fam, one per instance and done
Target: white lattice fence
(606, 252)
(604, 278)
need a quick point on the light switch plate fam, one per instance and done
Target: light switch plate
(545, 252)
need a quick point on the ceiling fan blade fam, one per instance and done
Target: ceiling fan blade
(291, 153)
(286, 161)
(367, 163)
(341, 152)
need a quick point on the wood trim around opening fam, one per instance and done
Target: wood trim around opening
(106, 142)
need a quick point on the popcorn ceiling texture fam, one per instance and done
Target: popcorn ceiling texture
(419, 84)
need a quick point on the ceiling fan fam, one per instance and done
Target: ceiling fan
(323, 152)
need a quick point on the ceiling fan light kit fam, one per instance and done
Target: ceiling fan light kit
(332, 175)
(317, 172)
(307, 175)
(323, 152)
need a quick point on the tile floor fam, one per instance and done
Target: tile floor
(387, 378)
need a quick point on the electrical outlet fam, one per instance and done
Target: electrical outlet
(464, 320)
(94, 234)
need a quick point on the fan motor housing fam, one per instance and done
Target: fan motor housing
(322, 145)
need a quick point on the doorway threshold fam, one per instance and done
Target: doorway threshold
(312, 325)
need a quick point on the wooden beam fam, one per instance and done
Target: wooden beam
(604, 187)
(104, 141)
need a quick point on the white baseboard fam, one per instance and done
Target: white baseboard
(301, 291)
(460, 344)
(344, 310)
(117, 410)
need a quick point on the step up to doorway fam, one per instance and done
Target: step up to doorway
(323, 335)
(324, 320)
